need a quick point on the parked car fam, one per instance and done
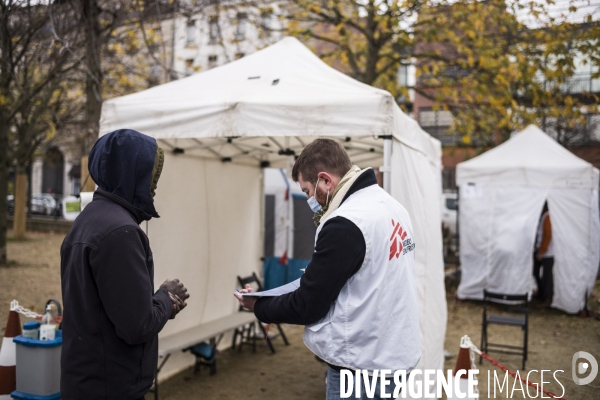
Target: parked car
(11, 204)
(44, 204)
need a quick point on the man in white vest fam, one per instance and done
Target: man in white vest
(357, 296)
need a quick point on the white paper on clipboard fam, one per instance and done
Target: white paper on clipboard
(278, 291)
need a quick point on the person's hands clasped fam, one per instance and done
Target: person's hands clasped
(246, 302)
(177, 305)
(177, 293)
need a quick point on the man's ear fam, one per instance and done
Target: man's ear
(327, 178)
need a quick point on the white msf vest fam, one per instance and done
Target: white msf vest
(373, 324)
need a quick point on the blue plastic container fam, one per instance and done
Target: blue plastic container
(31, 329)
(38, 368)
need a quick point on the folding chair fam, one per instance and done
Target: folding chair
(206, 354)
(521, 301)
(247, 334)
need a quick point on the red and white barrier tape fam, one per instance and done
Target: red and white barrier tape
(465, 340)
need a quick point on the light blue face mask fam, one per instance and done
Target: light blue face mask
(313, 203)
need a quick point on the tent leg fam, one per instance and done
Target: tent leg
(387, 163)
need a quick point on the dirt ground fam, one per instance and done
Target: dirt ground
(293, 372)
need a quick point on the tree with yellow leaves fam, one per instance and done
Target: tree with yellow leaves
(54, 72)
(367, 40)
(31, 66)
(497, 65)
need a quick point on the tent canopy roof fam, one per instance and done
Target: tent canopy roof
(264, 106)
(530, 157)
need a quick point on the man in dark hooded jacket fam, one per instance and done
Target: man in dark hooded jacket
(112, 315)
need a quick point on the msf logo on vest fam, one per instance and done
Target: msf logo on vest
(400, 244)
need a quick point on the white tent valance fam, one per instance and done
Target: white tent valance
(264, 105)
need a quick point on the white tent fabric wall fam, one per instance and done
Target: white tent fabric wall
(207, 234)
(259, 110)
(502, 193)
(419, 192)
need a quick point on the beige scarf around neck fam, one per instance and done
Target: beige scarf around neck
(339, 193)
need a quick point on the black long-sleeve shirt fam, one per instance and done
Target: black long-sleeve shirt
(339, 254)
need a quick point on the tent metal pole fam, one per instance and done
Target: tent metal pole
(457, 247)
(290, 203)
(387, 163)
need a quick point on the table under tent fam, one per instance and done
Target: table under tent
(222, 127)
(502, 194)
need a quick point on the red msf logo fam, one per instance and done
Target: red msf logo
(396, 246)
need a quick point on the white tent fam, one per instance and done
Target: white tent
(219, 127)
(502, 193)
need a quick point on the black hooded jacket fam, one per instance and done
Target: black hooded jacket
(112, 315)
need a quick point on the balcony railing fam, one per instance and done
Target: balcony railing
(579, 84)
(441, 133)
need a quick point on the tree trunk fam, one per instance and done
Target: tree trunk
(4, 162)
(87, 183)
(20, 221)
(93, 84)
(29, 188)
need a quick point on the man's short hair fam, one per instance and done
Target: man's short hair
(322, 155)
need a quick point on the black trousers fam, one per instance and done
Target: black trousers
(537, 268)
(544, 277)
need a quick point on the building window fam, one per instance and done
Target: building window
(403, 75)
(437, 124)
(189, 67)
(242, 22)
(212, 61)
(213, 29)
(154, 76)
(266, 20)
(449, 183)
(239, 55)
(191, 34)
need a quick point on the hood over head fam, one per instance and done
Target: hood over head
(127, 164)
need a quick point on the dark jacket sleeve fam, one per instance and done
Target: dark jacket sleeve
(119, 265)
(339, 254)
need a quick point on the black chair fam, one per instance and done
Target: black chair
(516, 304)
(247, 334)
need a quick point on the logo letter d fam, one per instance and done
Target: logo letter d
(592, 362)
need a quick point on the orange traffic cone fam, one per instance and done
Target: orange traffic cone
(463, 362)
(8, 357)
